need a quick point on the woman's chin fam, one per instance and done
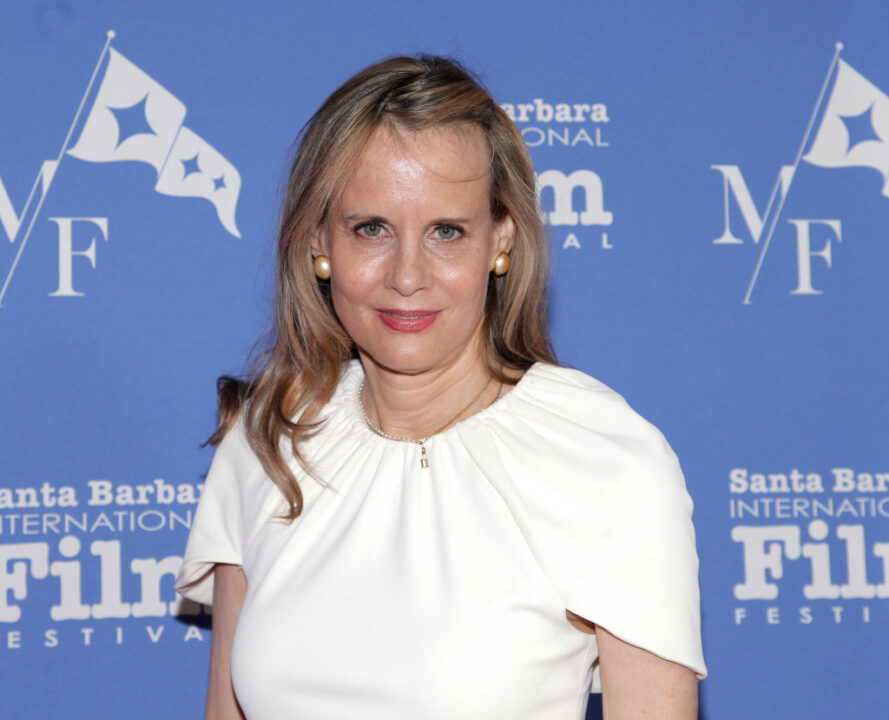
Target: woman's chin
(400, 363)
(407, 358)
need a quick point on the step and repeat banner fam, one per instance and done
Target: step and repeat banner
(715, 182)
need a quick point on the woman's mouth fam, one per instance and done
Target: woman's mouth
(407, 321)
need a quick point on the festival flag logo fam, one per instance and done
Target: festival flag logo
(134, 117)
(854, 130)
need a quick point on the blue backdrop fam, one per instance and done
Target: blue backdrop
(715, 182)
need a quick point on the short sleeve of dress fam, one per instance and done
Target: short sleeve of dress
(601, 501)
(217, 530)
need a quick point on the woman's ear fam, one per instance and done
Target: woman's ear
(319, 244)
(504, 235)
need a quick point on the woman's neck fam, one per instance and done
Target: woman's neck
(418, 405)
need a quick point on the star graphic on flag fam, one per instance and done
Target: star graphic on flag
(860, 128)
(219, 182)
(131, 121)
(190, 166)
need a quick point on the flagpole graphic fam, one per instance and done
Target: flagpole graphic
(774, 221)
(50, 167)
(854, 128)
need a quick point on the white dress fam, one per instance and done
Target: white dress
(440, 593)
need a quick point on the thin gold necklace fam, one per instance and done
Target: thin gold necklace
(424, 456)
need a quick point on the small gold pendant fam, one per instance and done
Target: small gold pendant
(424, 459)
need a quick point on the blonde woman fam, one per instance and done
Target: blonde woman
(414, 511)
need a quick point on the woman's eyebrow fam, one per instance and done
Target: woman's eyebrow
(367, 217)
(445, 220)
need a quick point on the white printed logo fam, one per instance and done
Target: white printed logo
(133, 117)
(567, 115)
(854, 132)
(568, 125)
(86, 536)
(780, 522)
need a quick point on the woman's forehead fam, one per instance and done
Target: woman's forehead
(444, 166)
(455, 153)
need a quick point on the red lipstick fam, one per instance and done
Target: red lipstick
(407, 321)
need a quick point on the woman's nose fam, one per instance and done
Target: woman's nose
(409, 268)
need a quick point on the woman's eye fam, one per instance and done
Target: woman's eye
(371, 229)
(447, 232)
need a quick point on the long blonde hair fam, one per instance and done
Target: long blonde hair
(292, 380)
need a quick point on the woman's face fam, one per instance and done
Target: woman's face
(411, 244)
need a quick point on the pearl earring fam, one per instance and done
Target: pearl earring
(321, 266)
(501, 264)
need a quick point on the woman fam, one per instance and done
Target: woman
(413, 511)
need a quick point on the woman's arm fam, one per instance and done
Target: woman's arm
(639, 684)
(229, 588)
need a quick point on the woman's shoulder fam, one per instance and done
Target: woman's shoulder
(566, 435)
(234, 447)
(563, 399)
(235, 469)
(566, 385)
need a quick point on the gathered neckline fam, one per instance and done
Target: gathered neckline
(354, 374)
